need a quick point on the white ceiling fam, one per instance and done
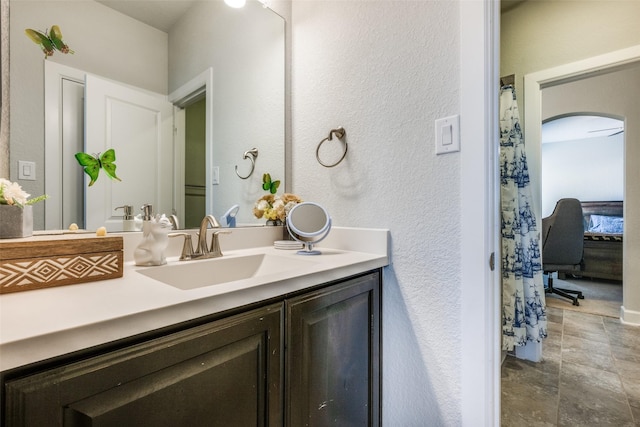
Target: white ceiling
(160, 14)
(572, 128)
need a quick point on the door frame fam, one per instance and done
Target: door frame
(180, 98)
(480, 327)
(54, 73)
(534, 83)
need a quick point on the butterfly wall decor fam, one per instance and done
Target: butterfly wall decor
(92, 165)
(49, 41)
(268, 185)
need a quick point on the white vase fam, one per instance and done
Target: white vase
(16, 222)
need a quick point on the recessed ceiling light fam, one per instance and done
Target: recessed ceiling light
(235, 3)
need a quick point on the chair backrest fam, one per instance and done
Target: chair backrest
(563, 234)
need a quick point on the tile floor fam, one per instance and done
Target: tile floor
(589, 376)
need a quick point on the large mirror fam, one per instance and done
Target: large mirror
(219, 69)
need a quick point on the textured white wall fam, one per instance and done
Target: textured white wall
(385, 71)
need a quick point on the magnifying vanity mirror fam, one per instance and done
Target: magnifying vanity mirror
(308, 223)
(218, 72)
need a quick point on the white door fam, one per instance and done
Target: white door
(138, 126)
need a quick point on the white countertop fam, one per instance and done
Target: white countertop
(40, 324)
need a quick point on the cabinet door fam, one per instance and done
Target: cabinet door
(333, 355)
(224, 373)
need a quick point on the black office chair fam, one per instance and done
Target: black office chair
(563, 244)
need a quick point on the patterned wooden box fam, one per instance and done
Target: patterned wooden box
(47, 261)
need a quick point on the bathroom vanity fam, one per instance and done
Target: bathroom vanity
(287, 347)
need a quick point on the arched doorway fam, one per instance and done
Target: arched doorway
(582, 157)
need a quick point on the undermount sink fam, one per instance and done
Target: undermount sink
(197, 274)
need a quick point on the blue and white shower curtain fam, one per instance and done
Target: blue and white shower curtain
(523, 304)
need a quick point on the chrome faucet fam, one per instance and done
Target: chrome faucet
(202, 250)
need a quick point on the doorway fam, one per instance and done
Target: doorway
(195, 189)
(614, 98)
(193, 146)
(532, 102)
(582, 157)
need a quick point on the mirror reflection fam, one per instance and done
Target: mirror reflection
(179, 99)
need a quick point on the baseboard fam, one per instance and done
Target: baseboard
(629, 317)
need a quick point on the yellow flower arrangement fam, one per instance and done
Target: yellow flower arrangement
(275, 208)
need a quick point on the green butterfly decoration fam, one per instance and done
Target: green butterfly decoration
(49, 42)
(268, 185)
(92, 165)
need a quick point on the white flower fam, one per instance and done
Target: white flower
(12, 193)
(289, 206)
(278, 203)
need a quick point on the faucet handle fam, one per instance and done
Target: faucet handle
(187, 247)
(214, 250)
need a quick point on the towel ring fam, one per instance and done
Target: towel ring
(251, 155)
(340, 133)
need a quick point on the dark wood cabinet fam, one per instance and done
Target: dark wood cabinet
(333, 355)
(308, 359)
(225, 373)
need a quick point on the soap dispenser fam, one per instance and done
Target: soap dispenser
(147, 214)
(128, 222)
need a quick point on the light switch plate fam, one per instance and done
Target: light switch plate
(26, 170)
(448, 135)
(215, 175)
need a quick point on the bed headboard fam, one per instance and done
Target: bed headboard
(606, 208)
